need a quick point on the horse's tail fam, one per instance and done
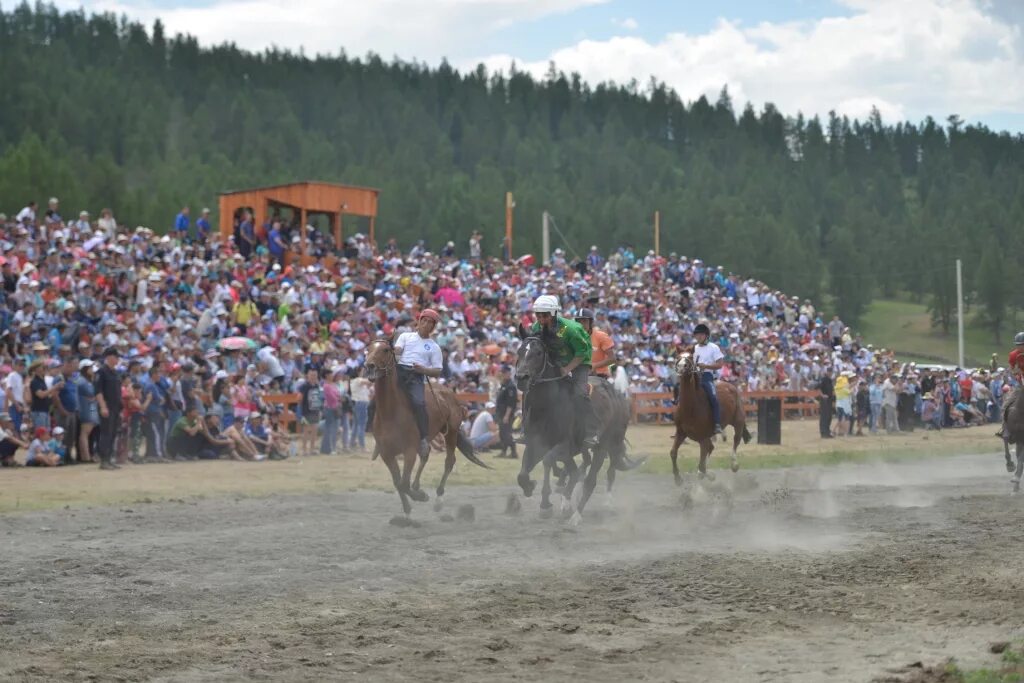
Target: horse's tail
(623, 463)
(746, 434)
(466, 448)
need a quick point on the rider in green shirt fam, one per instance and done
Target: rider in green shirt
(570, 344)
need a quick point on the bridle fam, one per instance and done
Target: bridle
(383, 371)
(539, 377)
(687, 367)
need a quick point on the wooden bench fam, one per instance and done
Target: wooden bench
(656, 403)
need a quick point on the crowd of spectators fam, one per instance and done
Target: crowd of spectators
(126, 344)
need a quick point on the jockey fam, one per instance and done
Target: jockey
(1016, 366)
(572, 349)
(419, 356)
(710, 360)
(1016, 370)
(602, 348)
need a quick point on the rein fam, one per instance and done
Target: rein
(539, 380)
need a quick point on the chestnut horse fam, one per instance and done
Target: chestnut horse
(394, 425)
(693, 416)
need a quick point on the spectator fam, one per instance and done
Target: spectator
(890, 396)
(484, 432)
(39, 453)
(108, 396)
(310, 407)
(826, 396)
(181, 224)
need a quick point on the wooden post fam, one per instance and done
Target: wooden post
(303, 242)
(373, 239)
(657, 233)
(508, 225)
(338, 231)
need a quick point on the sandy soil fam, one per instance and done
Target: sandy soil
(30, 488)
(804, 574)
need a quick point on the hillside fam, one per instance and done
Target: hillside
(104, 112)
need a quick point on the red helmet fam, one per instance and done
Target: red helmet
(430, 314)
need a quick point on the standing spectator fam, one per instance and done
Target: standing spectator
(826, 395)
(154, 408)
(835, 331)
(66, 407)
(14, 386)
(88, 409)
(276, 243)
(332, 413)
(107, 224)
(844, 404)
(875, 399)
(40, 396)
(181, 224)
(890, 397)
(359, 389)
(474, 245)
(203, 226)
(310, 407)
(505, 412)
(247, 236)
(862, 405)
(27, 216)
(108, 395)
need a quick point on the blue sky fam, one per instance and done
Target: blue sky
(908, 58)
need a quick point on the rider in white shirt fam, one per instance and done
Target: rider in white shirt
(419, 356)
(710, 360)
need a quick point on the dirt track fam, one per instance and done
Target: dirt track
(808, 574)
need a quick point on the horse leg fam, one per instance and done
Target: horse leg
(526, 465)
(573, 474)
(545, 491)
(609, 502)
(408, 463)
(675, 454)
(706, 446)
(396, 478)
(415, 492)
(1006, 450)
(590, 483)
(1020, 468)
(736, 438)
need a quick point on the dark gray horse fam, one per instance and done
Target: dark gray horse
(550, 427)
(549, 420)
(1013, 433)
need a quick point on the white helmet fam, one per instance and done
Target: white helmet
(546, 304)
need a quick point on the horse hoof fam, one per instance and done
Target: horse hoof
(546, 512)
(439, 503)
(679, 480)
(735, 467)
(706, 475)
(609, 502)
(419, 495)
(575, 519)
(1010, 467)
(566, 506)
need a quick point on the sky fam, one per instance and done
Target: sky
(908, 58)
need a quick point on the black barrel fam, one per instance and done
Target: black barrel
(769, 421)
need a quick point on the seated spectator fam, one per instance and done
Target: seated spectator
(39, 453)
(484, 432)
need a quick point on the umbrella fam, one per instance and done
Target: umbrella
(450, 297)
(237, 344)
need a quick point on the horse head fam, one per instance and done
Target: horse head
(531, 362)
(686, 366)
(380, 359)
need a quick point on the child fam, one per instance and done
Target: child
(56, 445)
(39, 453)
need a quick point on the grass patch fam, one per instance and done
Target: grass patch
(1010, 670)
(906, 327)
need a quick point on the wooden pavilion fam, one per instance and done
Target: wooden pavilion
(303, 198)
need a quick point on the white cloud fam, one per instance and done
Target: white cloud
(629, 23)
(909, 58)
(411, 29)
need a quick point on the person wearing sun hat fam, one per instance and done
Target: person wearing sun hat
(108, 397)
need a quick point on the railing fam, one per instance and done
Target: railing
(287, 403)
(659, 404)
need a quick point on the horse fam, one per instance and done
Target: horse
(395, 431)
(1013, 433)
(693, 417)
(549, 419)
(549, 433)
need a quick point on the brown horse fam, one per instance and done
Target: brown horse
(394, 425)
(693, 416)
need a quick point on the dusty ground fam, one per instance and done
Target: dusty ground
(30, 488)
(802, 574)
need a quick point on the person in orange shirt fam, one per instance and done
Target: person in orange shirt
(602, 356)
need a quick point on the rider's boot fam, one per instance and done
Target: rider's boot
(590, 428)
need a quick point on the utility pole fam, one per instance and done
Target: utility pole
(960, 313)
(509, 205)
(545, 238)
(657, 233)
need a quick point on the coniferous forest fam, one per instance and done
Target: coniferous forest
(101, 111)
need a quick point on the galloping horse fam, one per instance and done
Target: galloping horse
(1013, 433)
(693, 416)
(549, 424)
(549, 419)
(394, 425)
